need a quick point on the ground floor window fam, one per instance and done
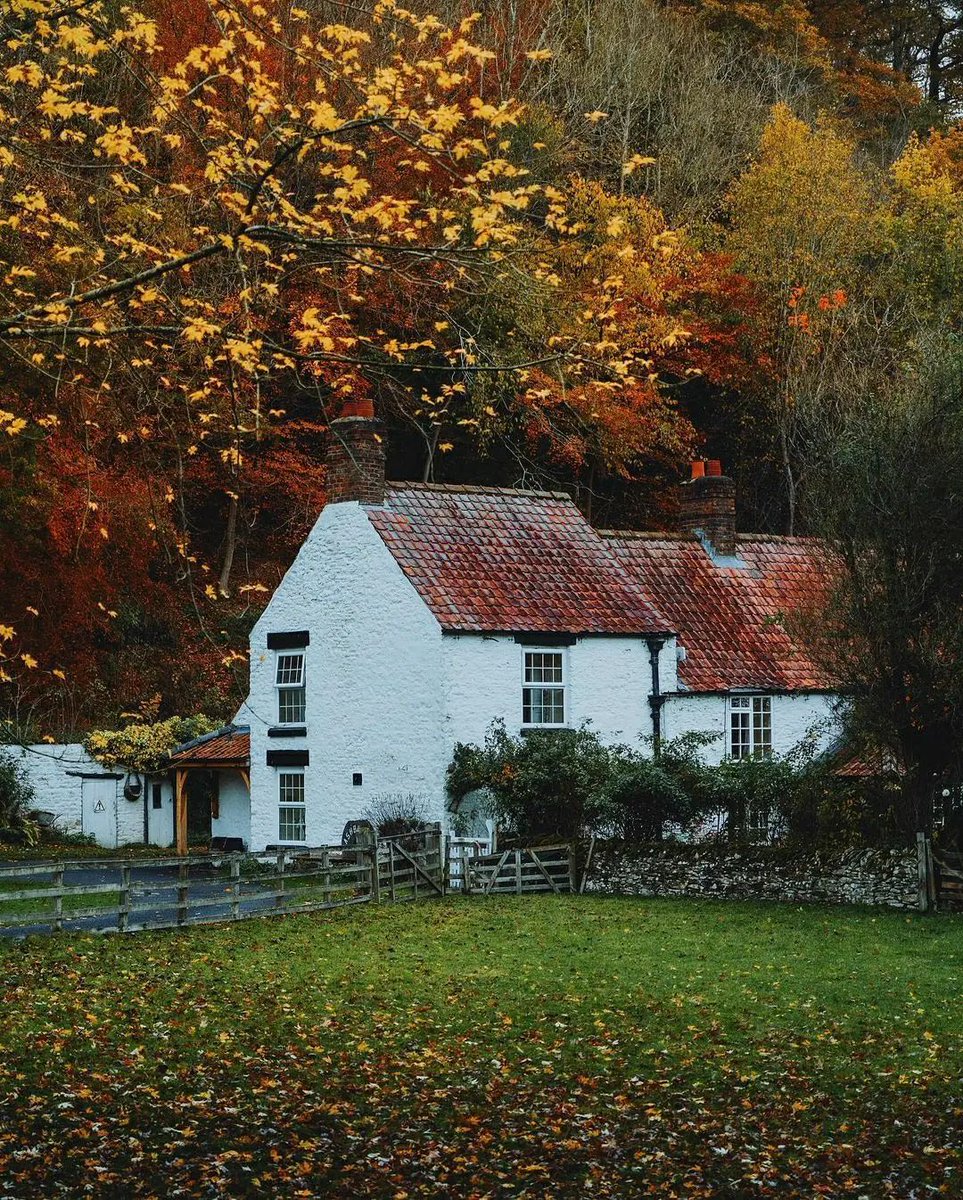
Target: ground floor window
(750, 726)
(292, 825)
(543, 688)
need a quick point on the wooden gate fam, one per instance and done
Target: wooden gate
(529, 869)
(411, 866)
(948, 869)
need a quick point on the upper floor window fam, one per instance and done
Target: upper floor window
(750, 726)
(543, 688)
(289, 682)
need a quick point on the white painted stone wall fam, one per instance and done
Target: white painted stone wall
(55, 790)
(234, 809)
(372, 678)
(793, 718)
(56, 773)
(608, 683)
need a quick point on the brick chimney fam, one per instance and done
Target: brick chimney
(708, 506)
(355, 457)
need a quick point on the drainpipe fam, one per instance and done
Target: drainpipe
(656, 698)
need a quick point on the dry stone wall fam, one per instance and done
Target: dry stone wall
(888, 878)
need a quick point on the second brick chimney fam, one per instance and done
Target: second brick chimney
(708, 506)
(355, 457)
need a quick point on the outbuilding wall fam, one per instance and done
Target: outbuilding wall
(57, 772)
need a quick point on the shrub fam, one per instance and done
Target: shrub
(143, 745)
(16, 801)
(394, 814)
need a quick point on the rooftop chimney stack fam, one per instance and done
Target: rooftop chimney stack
(708, 506)
(355, 457)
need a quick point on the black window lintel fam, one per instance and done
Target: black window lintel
(294, 640)
(287, 758)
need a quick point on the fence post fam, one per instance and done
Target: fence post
(183, 883)
(325, 875)
(391, 868)
(58, 882)
(923, 862)
(279, 890)
(123, 909)
(518, 872)
(375, 881)
(235, 889)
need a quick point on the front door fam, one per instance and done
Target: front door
(100, 811)
(200, 793)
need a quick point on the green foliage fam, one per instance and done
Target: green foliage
(143, 746)
(547, 782)
(16, 800)
(566, 783)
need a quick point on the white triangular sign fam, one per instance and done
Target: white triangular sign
(99, 806)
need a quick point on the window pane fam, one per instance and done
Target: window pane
(290, 670)
(543, 668)
(291, 825)
(543, 706)
(741, 746)
(291, 788)
(291, 707)
(762, 725)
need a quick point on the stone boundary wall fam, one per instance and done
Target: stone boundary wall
(887, 878)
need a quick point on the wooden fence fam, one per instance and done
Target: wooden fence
(115, 895)
(947, 872)
(534, 869)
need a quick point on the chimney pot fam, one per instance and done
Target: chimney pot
(363, 407)
(355, 457)
(714, 468)
(698, 468)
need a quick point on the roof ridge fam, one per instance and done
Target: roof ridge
(475, 488)
(780, 537)
(649, 534)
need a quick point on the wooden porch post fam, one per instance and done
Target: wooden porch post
(180, 808)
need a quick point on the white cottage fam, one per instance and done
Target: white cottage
(415, 614)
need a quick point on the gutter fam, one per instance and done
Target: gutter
(656, 695)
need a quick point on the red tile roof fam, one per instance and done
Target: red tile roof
(225, 745)
(499, 560)
(730, 618)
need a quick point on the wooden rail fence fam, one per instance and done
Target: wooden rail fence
(116, 895)
(532, 869)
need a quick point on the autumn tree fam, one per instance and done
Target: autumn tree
(210, 243)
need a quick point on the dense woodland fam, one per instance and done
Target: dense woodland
(558, 242)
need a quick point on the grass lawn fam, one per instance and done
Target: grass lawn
(557, 1046)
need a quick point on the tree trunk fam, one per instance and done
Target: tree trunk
(223, 583)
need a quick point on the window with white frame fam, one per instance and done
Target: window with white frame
(543, 687)
(292, 826)
(289, 682)
(750, 726)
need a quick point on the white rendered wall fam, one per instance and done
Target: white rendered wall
(234, 808)
(608, 684)
(373, 682)
(794, 717)
(55, 771)
(54, 790)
